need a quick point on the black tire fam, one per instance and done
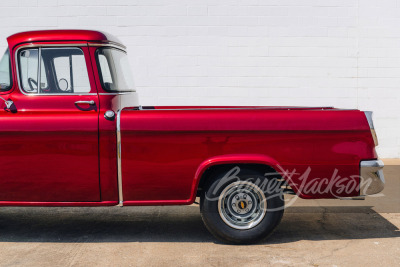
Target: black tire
(220, 228)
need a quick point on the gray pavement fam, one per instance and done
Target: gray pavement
(312, 233)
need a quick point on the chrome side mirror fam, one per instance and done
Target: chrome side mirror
(9, 105)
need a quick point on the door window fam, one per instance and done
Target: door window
(61, 71)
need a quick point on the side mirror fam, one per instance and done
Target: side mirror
(9, 105)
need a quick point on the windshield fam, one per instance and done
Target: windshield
(115, 72)
(5, 72)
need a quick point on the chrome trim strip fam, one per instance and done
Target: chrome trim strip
(39, 46)
(120, 192)
(115, 45)
(39, 76)
(228, 108)
(84, 43)
(121, 93)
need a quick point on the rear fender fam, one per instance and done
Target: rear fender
(232, 159)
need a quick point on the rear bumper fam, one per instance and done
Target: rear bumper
(372, 180)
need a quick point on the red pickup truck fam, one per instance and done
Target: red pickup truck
(73, 134)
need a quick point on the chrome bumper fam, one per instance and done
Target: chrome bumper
(371, 177)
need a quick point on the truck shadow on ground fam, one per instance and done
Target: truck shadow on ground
(180, 224)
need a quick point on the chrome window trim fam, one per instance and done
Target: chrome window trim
(73, 45)
(39, 76)
(119, 164)
(115, 45)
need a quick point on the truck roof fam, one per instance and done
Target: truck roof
(62, 35)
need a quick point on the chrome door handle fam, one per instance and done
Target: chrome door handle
(90, 102)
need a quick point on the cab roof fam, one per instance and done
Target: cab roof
(62, 35)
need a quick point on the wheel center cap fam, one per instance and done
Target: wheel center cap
(242, 204)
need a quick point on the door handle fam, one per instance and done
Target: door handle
(90, 102)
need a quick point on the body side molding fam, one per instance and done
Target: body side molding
(119, 174)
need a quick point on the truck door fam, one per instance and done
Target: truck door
(49, 142)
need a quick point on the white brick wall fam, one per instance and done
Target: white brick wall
(342, 53)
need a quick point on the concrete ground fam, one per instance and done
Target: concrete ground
(312, 233)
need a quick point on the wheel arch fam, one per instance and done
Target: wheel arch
(220, 163)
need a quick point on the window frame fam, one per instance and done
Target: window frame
(39, 46)
(2, 91)
(96, 56)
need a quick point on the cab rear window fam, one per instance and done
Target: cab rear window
(114, 70)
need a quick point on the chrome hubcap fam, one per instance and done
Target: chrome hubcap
(242, 205)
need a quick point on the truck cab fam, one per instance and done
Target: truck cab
(59, 83)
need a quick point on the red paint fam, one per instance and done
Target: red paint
(55, 154)
(61, 36)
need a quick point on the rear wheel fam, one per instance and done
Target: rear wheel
(242, 209)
